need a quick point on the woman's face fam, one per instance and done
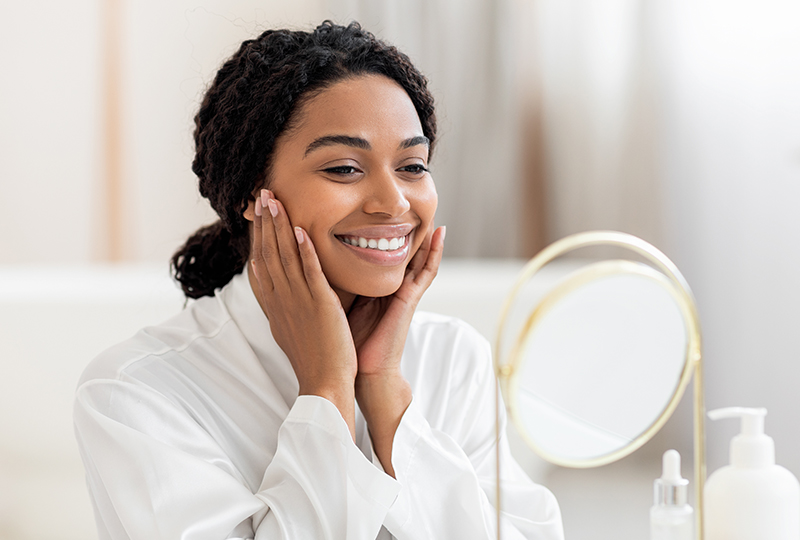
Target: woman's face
(353, 173)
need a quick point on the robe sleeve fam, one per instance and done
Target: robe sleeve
(155, 473)
(448, 474)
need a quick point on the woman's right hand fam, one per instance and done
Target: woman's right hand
(305, 315)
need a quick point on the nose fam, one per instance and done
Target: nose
(386, 195)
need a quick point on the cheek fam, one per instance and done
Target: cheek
(426, 203)
(302, 210)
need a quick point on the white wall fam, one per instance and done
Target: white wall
(49, 119)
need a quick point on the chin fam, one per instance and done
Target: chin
(375, 288)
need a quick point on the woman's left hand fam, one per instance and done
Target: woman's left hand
(380, 327)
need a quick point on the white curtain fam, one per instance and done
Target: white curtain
(600, 116)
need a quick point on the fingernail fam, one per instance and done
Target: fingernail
(259, 208)
(264, 197)
(273, 207)
(444, 231)
(298, 232)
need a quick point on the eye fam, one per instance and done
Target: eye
(417, 169)
(342, 170)
(343, 174)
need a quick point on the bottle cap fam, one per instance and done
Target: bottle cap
(671, 488)
(751, 448)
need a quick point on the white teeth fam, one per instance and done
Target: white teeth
(382, 244)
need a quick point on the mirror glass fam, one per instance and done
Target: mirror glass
(598, 362)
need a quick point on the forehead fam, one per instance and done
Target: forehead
(373, 107)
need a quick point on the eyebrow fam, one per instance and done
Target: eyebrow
(358, 142)
(415, 141)
(330, 140)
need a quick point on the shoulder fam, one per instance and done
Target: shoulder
(446, 351)
(449, 367)
(200, 322)
(434, 330)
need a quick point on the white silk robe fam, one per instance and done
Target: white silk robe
(193, 430)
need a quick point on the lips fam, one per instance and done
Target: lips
(383, 245)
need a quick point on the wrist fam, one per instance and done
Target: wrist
(332, 393)
(388, 384)
(342, 396)
(383, 398)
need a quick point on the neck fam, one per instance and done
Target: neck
(345, 298)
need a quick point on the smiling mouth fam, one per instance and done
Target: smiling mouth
(380, 244)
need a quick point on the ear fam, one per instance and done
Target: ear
(249, 211)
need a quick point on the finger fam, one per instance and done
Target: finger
(287, 243)
(418, 260)
(425, 268)
(425, 271)
(434, 257)
(312, 269)
(269, 248)
(256, 257)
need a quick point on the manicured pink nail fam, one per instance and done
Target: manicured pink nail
(259, 209)
(265, 196)
(273, 207)
(444, 232)
(298, 232)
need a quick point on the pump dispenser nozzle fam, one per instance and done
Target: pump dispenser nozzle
(751, 448)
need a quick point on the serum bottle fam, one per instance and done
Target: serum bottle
(671, 518)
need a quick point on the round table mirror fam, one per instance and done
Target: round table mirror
(600, 359)
(597, 363)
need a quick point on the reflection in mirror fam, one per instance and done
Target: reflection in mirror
(598, 362)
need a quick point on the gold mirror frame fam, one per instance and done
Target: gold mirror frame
(506, 370)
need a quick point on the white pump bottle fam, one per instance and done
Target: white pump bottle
(752, 498)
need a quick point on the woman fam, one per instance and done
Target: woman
(300, 396)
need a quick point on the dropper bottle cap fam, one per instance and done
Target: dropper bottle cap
(671, 488)
(751, 448)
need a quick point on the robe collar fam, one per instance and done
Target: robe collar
(246, 312)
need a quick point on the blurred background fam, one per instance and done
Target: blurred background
(675, 120)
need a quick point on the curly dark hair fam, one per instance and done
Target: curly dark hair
(250, 103)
